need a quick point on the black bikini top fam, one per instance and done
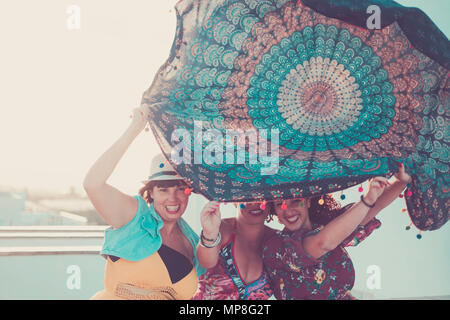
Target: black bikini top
(177, 264)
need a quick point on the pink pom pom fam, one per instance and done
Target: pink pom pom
(409, 193)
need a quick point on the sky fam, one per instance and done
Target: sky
(67, 96)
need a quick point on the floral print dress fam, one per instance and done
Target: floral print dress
(224, 282)
(295, 275)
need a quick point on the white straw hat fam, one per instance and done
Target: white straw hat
(161, 169)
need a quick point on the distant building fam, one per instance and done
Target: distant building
(15, 210)
(11, 206)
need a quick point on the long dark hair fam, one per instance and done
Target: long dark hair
(319, 214)
(323, 214)
(145, 190)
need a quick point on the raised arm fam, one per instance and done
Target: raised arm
(342, 226)
(211, 225)
(115, 207)
(395, 187)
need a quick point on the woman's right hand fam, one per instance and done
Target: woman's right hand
(377, 186)
(211, 219)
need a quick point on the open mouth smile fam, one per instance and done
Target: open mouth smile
(172, 209)
(292, 219)
(256, 212)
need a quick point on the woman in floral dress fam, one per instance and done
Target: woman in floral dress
(307, 259)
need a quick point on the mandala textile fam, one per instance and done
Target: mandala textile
(333, 102)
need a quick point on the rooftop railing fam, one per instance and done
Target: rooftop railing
(33, 236)
(40, 251)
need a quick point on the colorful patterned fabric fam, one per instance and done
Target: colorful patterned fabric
(295, 275)
(347, 102)
(423, 34)
(361, 233)
(223, 282)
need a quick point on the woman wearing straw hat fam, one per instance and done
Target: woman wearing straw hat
(150, 249)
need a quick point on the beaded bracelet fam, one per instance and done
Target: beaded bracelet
(368, 205)
(216, 242)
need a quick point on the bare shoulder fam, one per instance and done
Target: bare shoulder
(114, 206)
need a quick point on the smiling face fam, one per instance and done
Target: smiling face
(252, 212)
(296, 215)
(169, 202)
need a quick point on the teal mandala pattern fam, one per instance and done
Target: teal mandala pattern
(314, 102)
(317, 96)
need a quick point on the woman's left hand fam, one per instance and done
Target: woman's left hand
(401, 174)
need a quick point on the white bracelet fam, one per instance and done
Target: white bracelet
(216, 242)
